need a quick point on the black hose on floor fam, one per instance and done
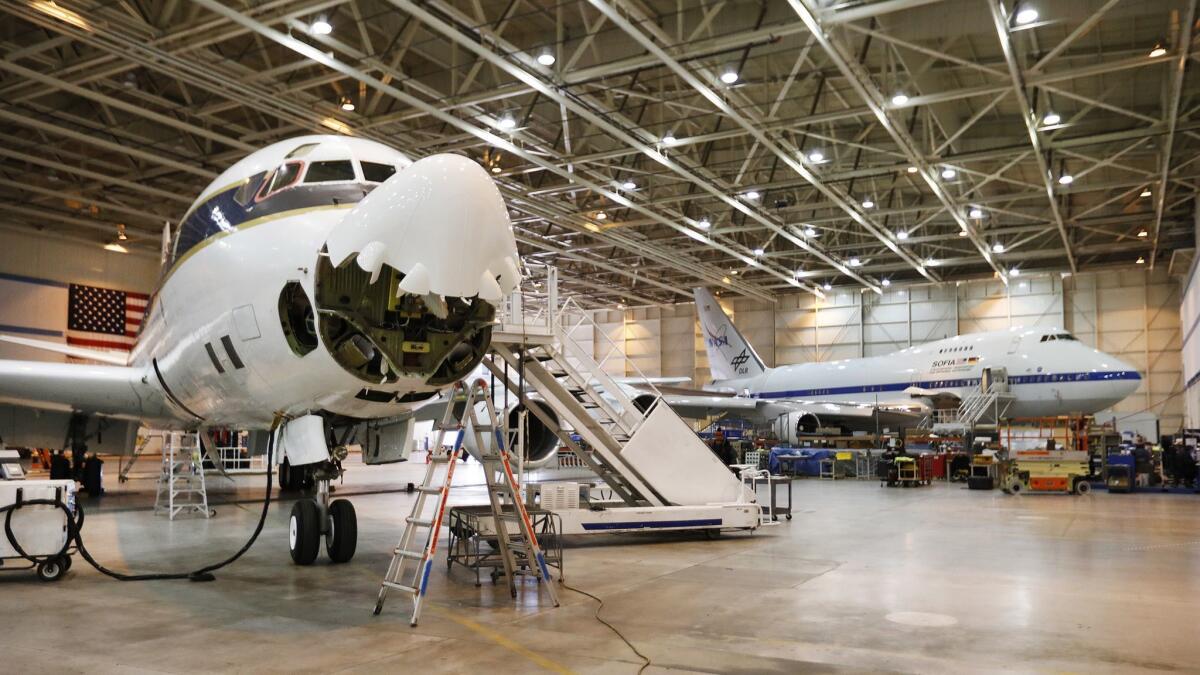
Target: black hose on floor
(75, 534)
(645, 659)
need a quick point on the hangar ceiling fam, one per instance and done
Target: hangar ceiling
(645, 147)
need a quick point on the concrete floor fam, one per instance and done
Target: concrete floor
(937, 579)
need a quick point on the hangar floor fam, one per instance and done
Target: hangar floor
(936, 579)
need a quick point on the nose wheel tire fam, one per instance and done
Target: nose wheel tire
(342, 537)
(304, 532)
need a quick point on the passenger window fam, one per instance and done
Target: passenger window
(329, 171)
(377, 173)
(284, 176)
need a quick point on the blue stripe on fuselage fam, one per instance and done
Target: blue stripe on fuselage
(1037, 378)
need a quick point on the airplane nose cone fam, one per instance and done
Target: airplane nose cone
(1127, 379)
(441, 222)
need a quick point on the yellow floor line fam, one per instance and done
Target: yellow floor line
(508, 644)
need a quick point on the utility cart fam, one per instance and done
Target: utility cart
(41, 530)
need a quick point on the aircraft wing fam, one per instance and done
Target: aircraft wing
(823, 413)
(114, 391)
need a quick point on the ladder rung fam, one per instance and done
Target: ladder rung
(399, 587)
(430, 489)
(420, 522)
(439, 459)
(414, 555)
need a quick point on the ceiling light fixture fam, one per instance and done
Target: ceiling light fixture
(828, 286)
(115, 247)
(886, 283)
(703, 224)
(1051, 119)
(998, 247)
(1014, 272)
(962, 233)
(320, 27)
(752, 195)
(759, 251)
(496, 169)
(629, 185)
(601, 215)
(931, 262)
(855, 262)
(1140, 260)
(1146, 193)
(816, 157)
(669, 139)
(546, 58)
(810, 232)
(948, 173)
(1066, 179)
(902, 235)
(347, 104)
(868, 204)
(976, 213)
(121, 232)
(912, 169)
(1158, 51)
(1026, 15)
(900, 99)
(507, 122)
(1142, 233)
(729, 76)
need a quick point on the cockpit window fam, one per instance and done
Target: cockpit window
(285, 176)
(246, 192)
(1059, 336)
(301, 150)
(330, 170)
(377, 173)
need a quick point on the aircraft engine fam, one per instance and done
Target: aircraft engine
(799, 423)
(541, 440)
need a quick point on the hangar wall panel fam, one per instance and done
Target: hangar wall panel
(1133, 314)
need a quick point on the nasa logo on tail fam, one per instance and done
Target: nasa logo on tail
(721, 340)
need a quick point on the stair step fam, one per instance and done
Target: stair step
(399, 587)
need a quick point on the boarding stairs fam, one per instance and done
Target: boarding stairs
(412, 559)
(181, 489)
(982, 409)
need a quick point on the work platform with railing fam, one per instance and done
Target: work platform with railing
(982, 409)
(653, 472)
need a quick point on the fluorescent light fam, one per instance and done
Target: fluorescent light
(811, 232)
(886, 282)
(868, 204)
(902, 235)
(976, 213)
(759, 251)
(703, 224)
(948, 173)
(1142, 234)
(546, 58)
(320, 27)
(912, 169)
(1026, 15)
(900, 99)
(998, 247)
(1146, 193)
(669, 139)
(506, 122)
(816, 156)
(729, 77)
(115, 247)
(1158, 51)
(1066, 179)
(752, 195)
(1140, 260)
(1051, 118)
(629, 185)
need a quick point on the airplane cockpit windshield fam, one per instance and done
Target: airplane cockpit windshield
(300, 181)
(1051, 337)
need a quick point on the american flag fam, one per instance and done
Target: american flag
(101, 318)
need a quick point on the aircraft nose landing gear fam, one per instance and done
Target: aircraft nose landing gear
(317, 516)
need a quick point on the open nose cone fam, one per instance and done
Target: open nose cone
(442, 222)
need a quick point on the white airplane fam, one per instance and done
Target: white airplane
(324, 285)
(1048, 370)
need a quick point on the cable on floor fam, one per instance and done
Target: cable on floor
(645, 659)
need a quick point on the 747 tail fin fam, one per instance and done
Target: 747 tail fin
(730, 356)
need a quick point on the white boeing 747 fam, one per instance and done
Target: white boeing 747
(1049, 372)
(324, 285)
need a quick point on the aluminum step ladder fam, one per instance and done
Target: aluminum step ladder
(181, 489)
(409, 568)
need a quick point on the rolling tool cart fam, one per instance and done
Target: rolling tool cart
(38, 535)
(983, 473)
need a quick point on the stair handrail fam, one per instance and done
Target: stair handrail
(586, 319)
